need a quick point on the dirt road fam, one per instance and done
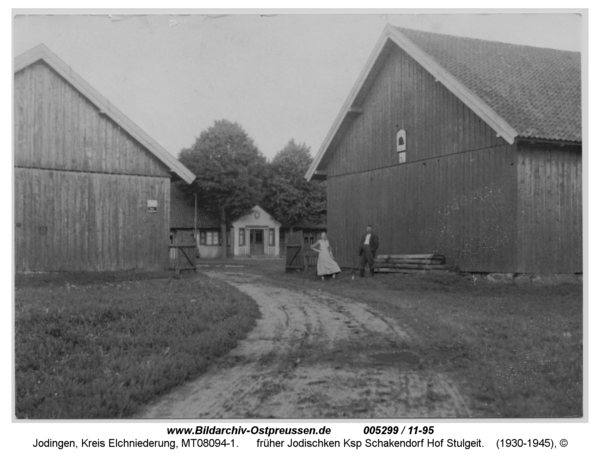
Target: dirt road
(313, 355)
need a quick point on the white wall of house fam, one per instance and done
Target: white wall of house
(209, 252)
(258, 219)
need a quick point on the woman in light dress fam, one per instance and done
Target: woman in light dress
(325, 264)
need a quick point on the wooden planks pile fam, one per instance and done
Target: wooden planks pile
(410, 263)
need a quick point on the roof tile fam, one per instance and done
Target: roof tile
(182, 212)
(535, 90)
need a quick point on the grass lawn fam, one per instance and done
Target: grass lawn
(514, 349)
(100, 345)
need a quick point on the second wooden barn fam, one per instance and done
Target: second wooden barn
(464, 147)
(92, 190)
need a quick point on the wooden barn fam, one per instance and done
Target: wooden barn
(256, 234)
(91, 190)
(460, 146)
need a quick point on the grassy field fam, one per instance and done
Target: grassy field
(100, 345)
(514, 349)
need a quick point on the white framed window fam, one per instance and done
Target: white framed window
(211, 238)
(401, 145)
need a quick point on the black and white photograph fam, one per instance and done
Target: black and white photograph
(290, 216)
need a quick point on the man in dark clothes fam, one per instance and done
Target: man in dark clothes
(367, 251)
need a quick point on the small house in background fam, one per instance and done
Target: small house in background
(464, 147)
(91, 189)
(256, 234)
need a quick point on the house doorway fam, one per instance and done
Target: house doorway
(257, 243)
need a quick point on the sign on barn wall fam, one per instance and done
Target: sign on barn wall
(401, 145)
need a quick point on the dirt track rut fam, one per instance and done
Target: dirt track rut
(313, 355)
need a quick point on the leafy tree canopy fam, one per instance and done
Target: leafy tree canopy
(229, 168)
(288, 196)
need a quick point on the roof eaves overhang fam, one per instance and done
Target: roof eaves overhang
(441, 75)
(41, 52)
(536, 140)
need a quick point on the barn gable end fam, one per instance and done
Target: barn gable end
(403, 95)
(449, 196)
(71, 133)
(92, 193)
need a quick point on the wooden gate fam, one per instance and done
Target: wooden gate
(294, 255)
(182, 250)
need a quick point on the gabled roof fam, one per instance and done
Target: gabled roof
(182, 212)
(262, 211)
(41, 52)
(522, 92)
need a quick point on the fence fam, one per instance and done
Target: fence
(182, 257)
(298, 255)
(294, 252)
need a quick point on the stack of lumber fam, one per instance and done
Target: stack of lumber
(410, 263)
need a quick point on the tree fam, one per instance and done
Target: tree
(230, 170)
(288, 196)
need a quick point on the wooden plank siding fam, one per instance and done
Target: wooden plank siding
(82, 184)
(550, 219)
(58, 128)
(406, 95)
(416, 208)
(463, 191)
(89, 221)
(456, 193)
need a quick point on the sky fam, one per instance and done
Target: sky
(280, 76)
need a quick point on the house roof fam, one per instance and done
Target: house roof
(522, 92)
(182, 212)
(41, 52)
(307, 225)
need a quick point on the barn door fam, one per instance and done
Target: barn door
(257, 244)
